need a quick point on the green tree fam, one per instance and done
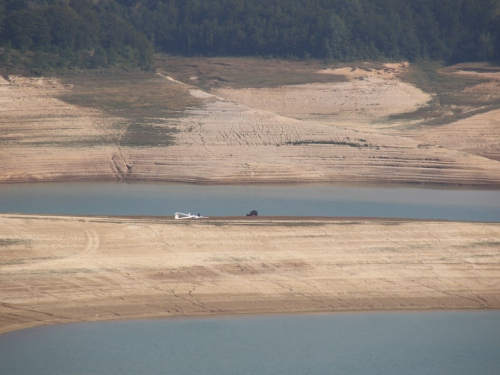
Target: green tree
(27, 29)
(64, 23)
(485, 48)
(100, 58)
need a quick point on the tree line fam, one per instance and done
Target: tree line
(100, 33)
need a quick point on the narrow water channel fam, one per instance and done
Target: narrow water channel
(268, 200)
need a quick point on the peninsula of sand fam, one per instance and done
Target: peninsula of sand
(60, 269)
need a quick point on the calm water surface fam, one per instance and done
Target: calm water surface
(357, 343)
(268, 200)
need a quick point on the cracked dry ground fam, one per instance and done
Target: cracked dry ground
(68, 269)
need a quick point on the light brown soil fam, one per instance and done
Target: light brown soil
(478, 135)
(357, 101)
(45, 139)
(320, 132)
(68, 269)
(226, 142)
(366, 98)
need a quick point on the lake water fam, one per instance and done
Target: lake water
(268, 200)
(357, 343)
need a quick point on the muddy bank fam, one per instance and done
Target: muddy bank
(56, 269)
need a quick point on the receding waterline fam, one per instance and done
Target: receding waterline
(269, 200)
(456, 342)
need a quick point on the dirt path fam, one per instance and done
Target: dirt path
(67, 269)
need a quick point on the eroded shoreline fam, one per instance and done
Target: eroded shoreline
(57, 269)
(321, 132)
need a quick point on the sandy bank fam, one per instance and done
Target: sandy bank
(318, 132)
(57, 269)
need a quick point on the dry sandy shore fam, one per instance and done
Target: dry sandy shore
(57, 269)
(317, 132)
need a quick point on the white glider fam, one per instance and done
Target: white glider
(181, 216)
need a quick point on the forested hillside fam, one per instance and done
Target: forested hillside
(47, 34)
(450, 30)
(63, 33)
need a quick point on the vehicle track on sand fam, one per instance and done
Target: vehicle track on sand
(91, 246)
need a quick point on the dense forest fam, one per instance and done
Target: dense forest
(101, 33)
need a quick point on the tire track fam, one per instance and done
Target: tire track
(91, 246)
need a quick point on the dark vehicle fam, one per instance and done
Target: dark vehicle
(252, 213)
